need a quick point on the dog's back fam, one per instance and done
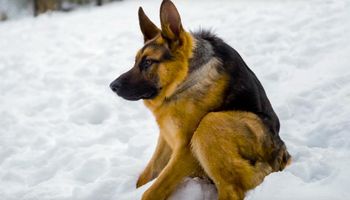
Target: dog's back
(244, 92)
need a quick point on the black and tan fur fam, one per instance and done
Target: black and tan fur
(214, 117)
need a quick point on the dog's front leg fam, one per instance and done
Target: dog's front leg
(158, 161)
(181, 165)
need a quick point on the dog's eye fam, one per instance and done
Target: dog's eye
(147, 63)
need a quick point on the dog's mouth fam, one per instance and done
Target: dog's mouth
(133, 88)
(134, 94)
(149, 95)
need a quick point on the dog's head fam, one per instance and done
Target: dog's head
(162, 63)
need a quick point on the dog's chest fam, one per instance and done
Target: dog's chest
(177, 124)
(169, 128)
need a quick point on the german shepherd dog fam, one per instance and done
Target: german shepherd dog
(214, 117)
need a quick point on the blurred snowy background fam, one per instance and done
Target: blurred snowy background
(65, 136)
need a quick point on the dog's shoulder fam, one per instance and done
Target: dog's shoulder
(244, 92)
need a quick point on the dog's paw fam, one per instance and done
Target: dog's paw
(144, 178)
(152, 195)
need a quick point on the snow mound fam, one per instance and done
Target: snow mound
(64, 135)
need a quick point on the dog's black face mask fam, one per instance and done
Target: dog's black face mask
(133, 86)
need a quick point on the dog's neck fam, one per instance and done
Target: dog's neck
(201, 54)
(201, 64)
(200, 78)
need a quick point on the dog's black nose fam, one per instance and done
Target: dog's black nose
(115, 85)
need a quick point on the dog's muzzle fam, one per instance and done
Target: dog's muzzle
(115, 85)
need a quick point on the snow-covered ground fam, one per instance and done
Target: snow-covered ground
(65, 136)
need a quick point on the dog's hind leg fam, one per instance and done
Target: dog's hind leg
(228, 146)
(158, 161)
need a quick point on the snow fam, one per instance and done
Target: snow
(64, 135)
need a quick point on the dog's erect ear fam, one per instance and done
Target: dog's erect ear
(149, 30)
(170, 21)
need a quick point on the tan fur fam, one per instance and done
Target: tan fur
(224, 143)
(177, 126)
(158, 161)
(174, 72)
(227, 147)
